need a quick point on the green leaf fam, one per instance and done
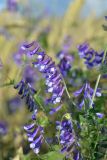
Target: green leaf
(43, 121)
(54, 155)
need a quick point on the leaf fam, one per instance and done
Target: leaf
(43, 120)
(7, 84)
(54, 155)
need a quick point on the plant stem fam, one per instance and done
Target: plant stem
(64, 84)
(40, 105)
(66, 88)
(98, 80)
(95, 89)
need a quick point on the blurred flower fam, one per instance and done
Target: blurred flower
(92, 57)
(3, 128)
(65, 57)
(26, 91)
(67, 139)
(86, 92)
(14, 104)
(104, 76)
(18, 57)
(28, 75)
(100, 115)
(66, 43)
(12, 5)
(76, 77)
(106, 17)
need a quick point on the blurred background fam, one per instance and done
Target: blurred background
(57, 8)
(47, 22)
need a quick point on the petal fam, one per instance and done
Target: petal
(81, 104)
(100, 115)
(29, 127)
(78, 92)
(54, 110)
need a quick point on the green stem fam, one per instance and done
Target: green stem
(40, 104)
(98, 80)
(36, 98)
(64, 84)
(95, 89)
(66, 88)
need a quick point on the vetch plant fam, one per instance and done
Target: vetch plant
(65, 121)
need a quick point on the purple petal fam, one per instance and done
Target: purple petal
(100, 115)
(81, 104)
(29, 127)
(78, 92)
(54, 110)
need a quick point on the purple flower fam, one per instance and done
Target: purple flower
(86, 92)
(65, 62)
(27, 92)
(3, 128)
(76, 155)
(67, 138)
(18, 57)
(48, 68)
(92, 57)
(35, 135)
(12, 5)
(65, 57)
(24, 50)
(100, 115)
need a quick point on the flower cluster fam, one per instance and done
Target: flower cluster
(35, 135)
(48, 68)
(26, 91)
(86, 92)
(92, 57)
(67, 139)
(65, 62)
